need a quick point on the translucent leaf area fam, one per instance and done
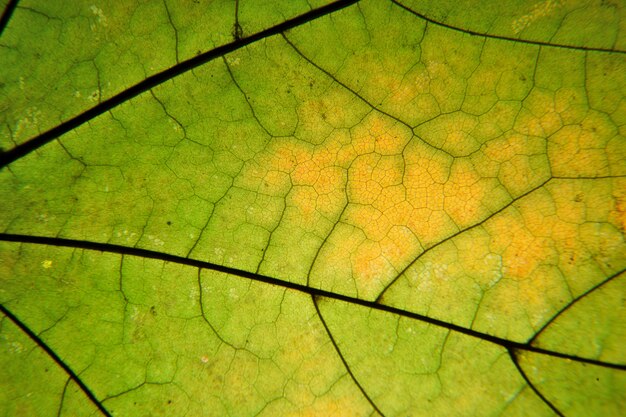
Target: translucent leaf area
(312, 208)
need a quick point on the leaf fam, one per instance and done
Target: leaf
(312, 208)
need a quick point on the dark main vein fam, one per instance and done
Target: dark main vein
(6, 15)
(19, 151)
(52, 354)
(505, 38)
(149, 254)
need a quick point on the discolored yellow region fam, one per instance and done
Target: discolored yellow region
(379, 134)
(619, 211)
(580, 149)
(305, 199)
(539, 115)
(342, 399)
(409, 94)
(524, 264)
(464, 192)
(558, 234)
(571, 104)
(520, 161)
(368, 263)
(520, 236)
(453, 133)
(374, 196)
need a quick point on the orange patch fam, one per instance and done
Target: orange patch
(305, 199)
(524, 254)
(463, 193)
(620, 205)
(539, 115)
(401, 193)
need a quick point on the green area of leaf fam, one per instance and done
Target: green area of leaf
(381, 208)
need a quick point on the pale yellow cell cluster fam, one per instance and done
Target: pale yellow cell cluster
(540, 114)
(400, 194)
(619, 213)
(580, 149)
(397, 193)
(537, 11)
(464, 192)
(523, 237)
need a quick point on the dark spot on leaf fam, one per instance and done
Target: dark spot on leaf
(153, 311)
(578, 198)
(169, 223)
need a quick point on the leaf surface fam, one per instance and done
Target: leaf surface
(296, 208)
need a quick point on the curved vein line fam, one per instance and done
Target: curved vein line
(505, 38)
(359, 96)
(6, 15)
(531, 385)
(60, 411)
(55, 358)
(574, 301)
(25, 148)
(165, 257)
(343, 360)
(461, 231)
(346, 87)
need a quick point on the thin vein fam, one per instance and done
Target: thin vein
(343, 360)
(573, 302)
(441, 242)
(505, 38)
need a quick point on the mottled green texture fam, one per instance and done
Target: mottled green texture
(593, 24)
(423, 211)
(60, 58)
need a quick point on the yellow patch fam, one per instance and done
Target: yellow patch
(539, 115)
(620, 210)
(580, 150)
(403, 194)
(463, 194)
